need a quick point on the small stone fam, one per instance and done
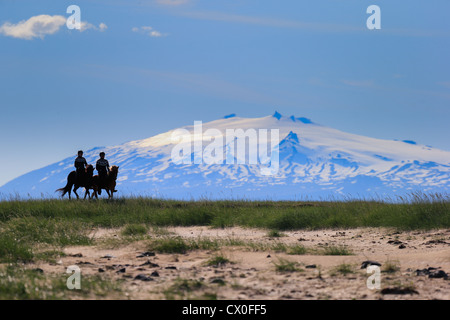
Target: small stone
(38, 270)
(143, 277)
(394, 242)
(402, 246)
(218, 281)
(146, 254)
(311, 266)
(171, 268)
(101, 270)
(438, 274)
(123, 270)
(367, 263)
(149, 263)
(155, 274)
(108, 256)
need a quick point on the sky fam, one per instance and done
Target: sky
(139, 68)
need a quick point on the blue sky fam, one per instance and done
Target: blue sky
(140, 68)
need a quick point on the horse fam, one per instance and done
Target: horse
(109, 184)
(85, 181)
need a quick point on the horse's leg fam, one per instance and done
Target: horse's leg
(109, 195)
(75, 191)
(86, 192)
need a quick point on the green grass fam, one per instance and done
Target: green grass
(284, 265)
(296, 249)
(169, 245)
(17, 283)
(134, 230)
(50, 256)
(13, 250)
(28, 224)
(275, 234)
(391, 266)
(337, 251)
(418, 211)
(183, 288)
(344, 269)
(218, 261)
(53, 231)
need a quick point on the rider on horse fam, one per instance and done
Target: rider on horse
(80, 165)
(102, 167)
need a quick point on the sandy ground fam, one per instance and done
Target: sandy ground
(252, 275)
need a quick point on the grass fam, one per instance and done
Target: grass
(417, 212)
(275, 234)
(344, 269)
(218, 261)
(169, 245)
(391, 266)
(284, 265)
(296, 250)
(337, 251)
(38, 230)
(18, 283)
(134, 230)
(13, 250)
(183, 288)
(50, 256)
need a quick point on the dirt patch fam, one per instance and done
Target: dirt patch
(251, 259)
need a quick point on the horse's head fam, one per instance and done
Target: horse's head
(114, 169)
(90, 169)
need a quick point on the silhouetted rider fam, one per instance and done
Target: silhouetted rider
(80, 164)
(102, 167)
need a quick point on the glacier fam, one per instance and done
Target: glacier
(315, 163)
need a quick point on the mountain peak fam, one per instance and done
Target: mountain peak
(277, 115)
(292, 136)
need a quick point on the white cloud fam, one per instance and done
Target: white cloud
(35, 27)
(86, 26)
(149, 31)
(40, 26)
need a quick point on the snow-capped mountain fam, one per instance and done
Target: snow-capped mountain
(315, 162)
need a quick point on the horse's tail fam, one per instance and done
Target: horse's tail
(67, 188)
(64, 190)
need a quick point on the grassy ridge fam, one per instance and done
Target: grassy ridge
(425, 212)
(54, 224)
